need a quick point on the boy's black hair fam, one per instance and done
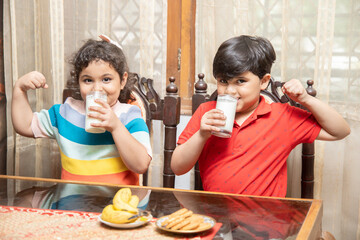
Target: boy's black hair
(243, 53)
(94, 50)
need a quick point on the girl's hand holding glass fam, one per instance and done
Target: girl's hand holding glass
(103, 115)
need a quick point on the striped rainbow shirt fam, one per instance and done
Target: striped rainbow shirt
(90, 156)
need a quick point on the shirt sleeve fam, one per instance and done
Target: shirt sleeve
(138, 128)
(43, 123)
(194, 123)
(303, 125)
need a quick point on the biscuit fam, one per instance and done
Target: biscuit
(178, 212)
(185, 219)
(203, 226)
(176, 221)
(195, 221)
(181, 224)
(172, 217)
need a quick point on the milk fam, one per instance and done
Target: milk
(227, 104)
(90, 101)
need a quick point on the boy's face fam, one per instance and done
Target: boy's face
(101, 76)
(246, 88)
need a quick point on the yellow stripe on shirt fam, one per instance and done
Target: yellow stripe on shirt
(92, 167)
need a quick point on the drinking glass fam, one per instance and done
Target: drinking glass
(227, 104)
(90, 101)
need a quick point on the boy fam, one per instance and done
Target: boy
(253, 160)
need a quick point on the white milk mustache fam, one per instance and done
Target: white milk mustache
(227, 104)
(90, 101)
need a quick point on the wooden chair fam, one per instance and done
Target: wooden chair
(273, 93)
(153, 108)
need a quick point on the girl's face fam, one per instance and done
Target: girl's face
(246, 88)
(101, 76)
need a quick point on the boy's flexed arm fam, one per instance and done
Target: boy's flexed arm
(185, 155)
(334, 126)
(21, 112)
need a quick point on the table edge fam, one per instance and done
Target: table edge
(311, 228)
(15, 177)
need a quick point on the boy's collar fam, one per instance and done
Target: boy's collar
(263, 107)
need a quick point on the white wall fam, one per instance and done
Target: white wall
(184, 181)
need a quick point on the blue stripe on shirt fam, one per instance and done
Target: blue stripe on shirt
(75, 133)
(137, 125)
(79, 135)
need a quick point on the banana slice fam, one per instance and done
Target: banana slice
(124, 208)
(121, 206)
(123, 201)
(134, 201)
(110, 214)
(123, 194)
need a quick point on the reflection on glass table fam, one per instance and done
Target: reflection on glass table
(242, 217)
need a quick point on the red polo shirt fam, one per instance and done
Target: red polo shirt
(253, 160)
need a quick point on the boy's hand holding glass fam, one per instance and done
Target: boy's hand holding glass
(212, 121)
(227, 104)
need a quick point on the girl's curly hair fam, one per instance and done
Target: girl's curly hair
(94, 50)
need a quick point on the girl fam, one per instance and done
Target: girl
(116, 156)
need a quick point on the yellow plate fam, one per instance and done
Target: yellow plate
(206, 220)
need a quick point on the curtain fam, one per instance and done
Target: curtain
(317, 40)
(3, 145)
(42, 35)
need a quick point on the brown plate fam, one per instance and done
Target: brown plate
(206, 220)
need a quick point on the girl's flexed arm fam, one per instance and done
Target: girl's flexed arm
(21, 113)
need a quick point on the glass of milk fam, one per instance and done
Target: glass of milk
(227, 104)
(90, 101)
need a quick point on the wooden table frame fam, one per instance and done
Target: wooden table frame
(311, 228)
